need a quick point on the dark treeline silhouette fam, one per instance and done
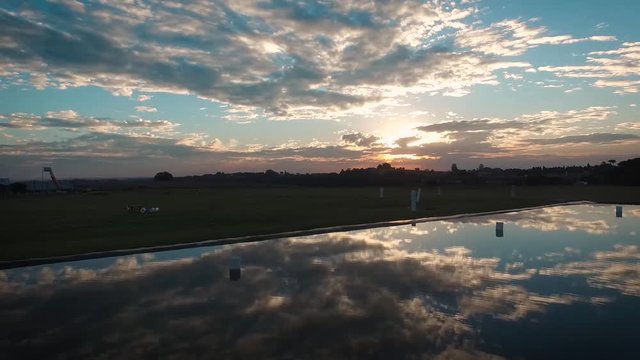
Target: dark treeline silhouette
(606, 173)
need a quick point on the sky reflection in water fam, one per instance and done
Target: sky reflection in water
(562, 282)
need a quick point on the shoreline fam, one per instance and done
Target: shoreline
(11, 264)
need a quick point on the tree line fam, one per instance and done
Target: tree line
(607, 173)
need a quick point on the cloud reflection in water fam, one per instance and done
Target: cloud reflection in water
(376, 293)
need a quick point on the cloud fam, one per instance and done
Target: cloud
(134, 142)
(526, 136)
(590, 138)
(405, 141)
(398, 299)
(73, 121)
(286, 60)
(491, 137)
(146, 109)
(568, 91)
(618, 68)
(510, 302)
(628, 126)
(140, 144)
(528, 121)
(360, 139)
(625, 86)
(288, 302)
(514, 37)
(616, 269)
(561, 218)
(282, 60)
(74, 5)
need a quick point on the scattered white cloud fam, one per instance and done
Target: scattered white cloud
(618, 69)
(628, 126)
(515, 37)
(74, 5)
(146, 109)
(70, 120)
(513, 76)
(606, 269)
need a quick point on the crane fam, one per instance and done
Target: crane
(53, 177)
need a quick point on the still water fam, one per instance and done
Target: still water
(562, 282)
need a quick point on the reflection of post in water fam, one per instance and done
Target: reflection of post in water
(413, 200)
(499, 229)
(235, 267)
(619, 211)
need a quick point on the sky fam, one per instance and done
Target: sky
(129, 88)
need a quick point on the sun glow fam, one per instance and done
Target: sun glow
(414, 137)
(400, 157)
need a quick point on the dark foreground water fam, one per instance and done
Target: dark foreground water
(563, 282)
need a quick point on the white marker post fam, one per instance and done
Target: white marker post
(419, 195)
(499, 229)
(413, 200)
(381, 192)
(619, 211)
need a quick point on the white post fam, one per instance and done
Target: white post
(419, 195)
(381, 192)
(413, 200)
(499, 229)
(513, 191)
(618, 211)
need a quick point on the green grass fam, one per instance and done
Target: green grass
(52, 225)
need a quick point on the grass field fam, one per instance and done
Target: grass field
(63, 224)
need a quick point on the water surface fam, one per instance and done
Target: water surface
(563, 282)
